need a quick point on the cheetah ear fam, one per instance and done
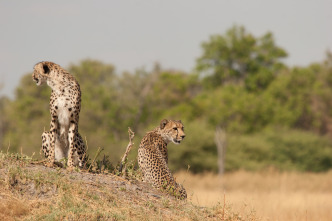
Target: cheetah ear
(180, 121)
(163, 123)
(46, 69)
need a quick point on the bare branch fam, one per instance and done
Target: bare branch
(129, 146)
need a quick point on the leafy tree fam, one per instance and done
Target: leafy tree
(238, 57)
(102, 120)
(27, 116)
(169, 91)
(134, 92)
(97, 82)
(4, 120)
(274, 115)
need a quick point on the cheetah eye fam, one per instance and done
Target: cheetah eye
(175, 128)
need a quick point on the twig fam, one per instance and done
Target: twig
(38, 162)
(129, 146)
(8, 146)
(97, 154)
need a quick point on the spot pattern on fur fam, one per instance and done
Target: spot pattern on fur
(63, 139)
(153, 156)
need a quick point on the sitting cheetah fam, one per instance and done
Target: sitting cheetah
(153, 157)
(63, 139)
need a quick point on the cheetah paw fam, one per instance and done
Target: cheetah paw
(50, 164)
(70, 169)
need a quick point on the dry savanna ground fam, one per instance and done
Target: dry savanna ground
(271, 195)
(31, 191)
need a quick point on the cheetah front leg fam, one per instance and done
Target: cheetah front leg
(72, 149)
(52, 136)
(46, 137)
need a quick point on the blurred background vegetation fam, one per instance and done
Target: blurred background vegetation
(273, 115)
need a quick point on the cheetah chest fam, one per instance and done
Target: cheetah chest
(63, 109)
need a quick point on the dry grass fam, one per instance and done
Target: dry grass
(11, 208)
(272, 195)
(30, 191)
(34, 192)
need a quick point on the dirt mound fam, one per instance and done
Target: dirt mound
(33, 191)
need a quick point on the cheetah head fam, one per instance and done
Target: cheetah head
(172, 131)
(40, 72)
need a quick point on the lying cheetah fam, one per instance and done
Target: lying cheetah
(63, 139)
(153, 157)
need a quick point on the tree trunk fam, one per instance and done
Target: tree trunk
(220, 140)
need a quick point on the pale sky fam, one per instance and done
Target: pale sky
(131, 34)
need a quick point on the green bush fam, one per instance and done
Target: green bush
(283, 149)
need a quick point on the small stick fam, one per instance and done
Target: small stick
(97, 154)
(129, 146)
(8, 146)
(38, 162)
